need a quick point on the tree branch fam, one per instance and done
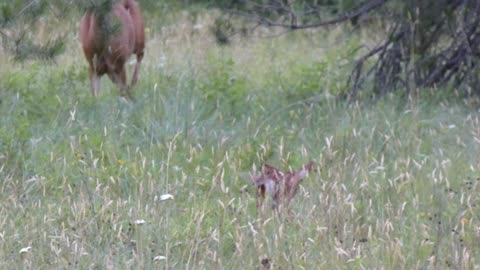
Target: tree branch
(364, 9)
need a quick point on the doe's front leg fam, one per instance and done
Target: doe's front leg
(95, 81)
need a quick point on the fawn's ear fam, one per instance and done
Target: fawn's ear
(268, 167)
(272, 171)
(310, 167)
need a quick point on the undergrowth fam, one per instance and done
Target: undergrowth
(82, 178)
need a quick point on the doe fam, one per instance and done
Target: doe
(108, 48)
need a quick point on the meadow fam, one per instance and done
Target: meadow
(84, 179)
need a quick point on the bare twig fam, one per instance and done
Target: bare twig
(364, 9)
(411, 54)
(27, 6)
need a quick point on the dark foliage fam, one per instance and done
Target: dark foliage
(18, 18)
(430, 43)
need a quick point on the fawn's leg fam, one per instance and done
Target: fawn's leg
(260, 199)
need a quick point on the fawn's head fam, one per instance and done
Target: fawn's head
(306, 169)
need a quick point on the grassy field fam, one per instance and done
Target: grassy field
(82, 178)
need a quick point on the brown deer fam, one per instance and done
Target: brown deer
(108, 41)
(281, 186)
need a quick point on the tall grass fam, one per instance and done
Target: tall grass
(397, 186)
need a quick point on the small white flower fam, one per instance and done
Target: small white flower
(25, 250)
(159, 258)
(139, 222)
(165, 197)
(197, 26)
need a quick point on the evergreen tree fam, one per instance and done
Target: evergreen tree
(429, 42)
(19, 19)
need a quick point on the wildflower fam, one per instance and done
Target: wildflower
(25, 250)
(159, 258)
(165, 197)
(139, 222)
